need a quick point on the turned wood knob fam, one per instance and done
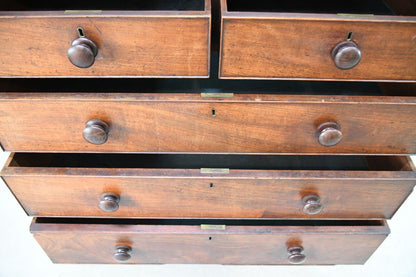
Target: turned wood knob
(312, 204)
(109, 202)
(346, 54)
(295, 255)
(329, 134)
(122, 253)
(96, 131)
(83, 51)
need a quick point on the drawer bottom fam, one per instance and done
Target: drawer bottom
(260, 242)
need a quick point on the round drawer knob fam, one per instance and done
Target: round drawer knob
(83, 51)
(295, 255)
(312, 204)
(96, 131)
(109, 202)
(329, 134)
(346, 54)
(122, 253)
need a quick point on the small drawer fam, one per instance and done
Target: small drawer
(184, 123)
(208, 242)
(348, 40)
(152, 38)
(209, 186)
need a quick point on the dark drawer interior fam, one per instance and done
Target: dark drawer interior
(195, 161)
(378, 7)
(41, 5)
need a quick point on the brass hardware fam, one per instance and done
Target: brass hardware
(82, 11)
(122, 253)
(217, 94)
(355, 15)
(215, 170)
(213, 227)
(83, 51)
(96, 131)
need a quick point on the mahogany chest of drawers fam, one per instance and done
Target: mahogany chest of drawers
(224, 132)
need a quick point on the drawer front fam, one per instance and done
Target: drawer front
(156, 244)
(130, 44)
(64, 190)
(191, 123)
(299, 46)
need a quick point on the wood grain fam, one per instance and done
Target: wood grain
(130, 44)
(86, 243)
(184, 123)
(298, 46)
(188, 193)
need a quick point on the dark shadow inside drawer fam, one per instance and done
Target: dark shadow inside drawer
(213, 222)
(378, 7)
(44, 5)
(197, 161)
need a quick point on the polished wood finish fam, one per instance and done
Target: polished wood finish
(130, 43)
(191, 193)
(264, 45)
(156, 244)
(245, 123)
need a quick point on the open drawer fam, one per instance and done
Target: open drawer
(152, 38)
(300, 39)
(208, 242)
(209, 186)
(258, 119)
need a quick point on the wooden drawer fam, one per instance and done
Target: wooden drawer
(193, 241)
(209, 186)
(296, 40)
(133, 38)
(175, 122)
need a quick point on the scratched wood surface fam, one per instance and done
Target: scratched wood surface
(130, 44)
(159, 244)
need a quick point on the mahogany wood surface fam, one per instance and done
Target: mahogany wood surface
(130, 44)
(190, 193)
(190, 123)
(261, 45)
(158, 244)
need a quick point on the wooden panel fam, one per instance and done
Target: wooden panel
(155, 244)
(189, 193)
(130, 44)
(185, 123)
(298, 46)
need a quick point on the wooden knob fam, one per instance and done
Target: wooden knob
(109, 202)
(96, 131)
(83, 51)
(312, 204)
(329, 134)
(122, 253)
(295, 255)
(346, 54)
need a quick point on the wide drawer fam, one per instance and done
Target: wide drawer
(243, 123)
(318, 40)
(193, 241)
(133, 38)
(209, 186)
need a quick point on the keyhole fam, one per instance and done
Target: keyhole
(349, 37)
(211, 185)
(81, 33)
(213, 112)
(210, 238)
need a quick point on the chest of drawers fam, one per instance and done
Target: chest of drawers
(127, 147)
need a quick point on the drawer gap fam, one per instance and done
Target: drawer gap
(197, 222)
(197, 161)
(44, 5)
(306, 6)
